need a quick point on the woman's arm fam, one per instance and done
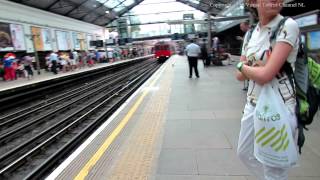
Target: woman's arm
(264, 74)
(240, 76)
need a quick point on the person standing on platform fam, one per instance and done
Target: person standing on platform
(204, 52)
(9, 71)
(110, 56)
(53, 58)
(76, 58)
(215, 45)
(27, 62)
(193, 51)
(261, 62)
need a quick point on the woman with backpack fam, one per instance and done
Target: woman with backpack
(261, 62)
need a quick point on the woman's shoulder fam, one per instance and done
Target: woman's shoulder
(289, 32)
(291, 24)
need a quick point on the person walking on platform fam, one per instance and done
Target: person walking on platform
(54, 62)
(193, 51)
(263, 67)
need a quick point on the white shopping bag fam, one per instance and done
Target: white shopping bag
(274, 142)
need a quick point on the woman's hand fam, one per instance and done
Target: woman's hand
(259, 64)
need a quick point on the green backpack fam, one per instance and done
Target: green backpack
(307, 96)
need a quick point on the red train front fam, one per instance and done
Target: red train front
(163, 50)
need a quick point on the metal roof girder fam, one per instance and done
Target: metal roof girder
(196, 6)
(93, 10)
(52, 4)
(128, 8)
(78, 6)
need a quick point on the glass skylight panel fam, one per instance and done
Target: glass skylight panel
(128, 2)
(101, 1)
(195, 1)
(112, 3)
(119, 8)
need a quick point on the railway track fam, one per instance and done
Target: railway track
(36, 139)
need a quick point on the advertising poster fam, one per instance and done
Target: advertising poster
(89, 39)
(37, 38)
(46, 39)
(17, 36)
(68, 38)
(81, 37)
(76, 40)
(5, 37)
(63, 40)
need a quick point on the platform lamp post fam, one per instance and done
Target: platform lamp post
(209, 33)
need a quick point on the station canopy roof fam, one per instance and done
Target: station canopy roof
(103, 12)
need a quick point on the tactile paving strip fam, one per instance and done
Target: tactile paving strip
(142, 148)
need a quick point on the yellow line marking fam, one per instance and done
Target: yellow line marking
(94, 159)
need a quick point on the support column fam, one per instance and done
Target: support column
(36, 56)
(209, 44)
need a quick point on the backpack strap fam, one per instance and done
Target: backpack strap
(287, 66)
(278, 29)
(245, 43)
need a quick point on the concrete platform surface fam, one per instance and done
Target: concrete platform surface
(183, 129)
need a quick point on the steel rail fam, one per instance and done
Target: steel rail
(13, 133)
(70, 94)
(63, 95)
(24, 157)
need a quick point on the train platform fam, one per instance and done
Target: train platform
(176, 128)
(46, 76)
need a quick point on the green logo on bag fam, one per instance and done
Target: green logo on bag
(265, 109)
(264, 116)
(277, 140)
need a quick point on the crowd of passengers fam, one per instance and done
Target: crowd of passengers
(12, 67)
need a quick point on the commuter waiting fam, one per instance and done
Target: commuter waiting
(263, 67)
(193, 51)
(53, 59)
(27, 62)
(204, 53)
(9, 71)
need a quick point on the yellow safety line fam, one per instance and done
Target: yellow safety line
(94, 159)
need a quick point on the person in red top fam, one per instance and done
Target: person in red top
(9, 71)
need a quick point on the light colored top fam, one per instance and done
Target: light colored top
(53, 57)
(75, 55)
(193, 50)
(259, 47)
(110, 54)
